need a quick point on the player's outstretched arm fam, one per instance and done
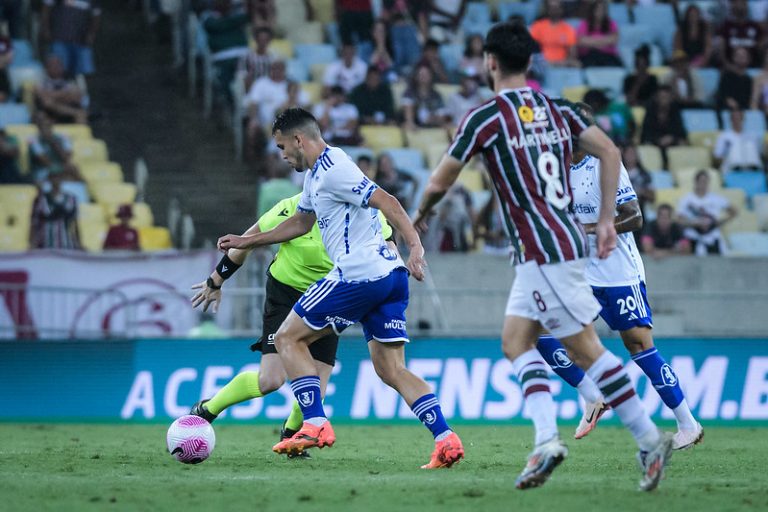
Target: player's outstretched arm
(595, 142)
(298, 224)
(440, 181)
(395, 215)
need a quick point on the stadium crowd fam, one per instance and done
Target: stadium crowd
(680, 86)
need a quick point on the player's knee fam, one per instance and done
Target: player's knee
(389, 372)
(269, 382)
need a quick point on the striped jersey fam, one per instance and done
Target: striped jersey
(526, 139)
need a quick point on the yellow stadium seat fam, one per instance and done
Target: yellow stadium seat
(314, 90)
(638, 115)
(684, 157)
(142, 216)
(154, 238)
(650, 156)
(282, 48)
(291, 14)
(22, 132)
(17, 194)
(91, 212)
(575, 93)
(660, 72)
(425, 138)
(703, 139)
(89, 150)
(472, 179)
(745, 222)
(323, 10)
(308, 32)
(318, 72)
(736, 196)
(74, 131)
(114, 193)
(92, 233)
(382, 137)
(447, 90)
(670, 196)
(398, 89)
(434, 154)
(760, 206)
(28, 95)
(685, 178)
(14, 237)
(101, 172)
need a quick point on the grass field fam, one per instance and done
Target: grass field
(371, 468)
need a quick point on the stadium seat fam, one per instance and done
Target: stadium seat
(20, 75)
(398, 89)
(356, 152)
(282, 48)
(154, 238)
(92, 233)
(744, 222)
(662, 179)
(709, 79)
(754, 121)
(627, 54)
(670, 196)
(760, 207)
(406, 158)
(290, 14)
(736, 197)
(575, 93)
(14, 236)
(638, 115)
(379, 138)
(309, 32)
(434, 154)
(528, 10)
(447, 90)
(748, 244)
(471, 179)
(424, 138)
(296, 70)
(110, 194)
(751, 182)
(17, 194)
(22, 132)
(14, 113)
(607, 78)
(650, 156)
(477, 18)
(703, 139)
(685, 157)
(323, 10)
(77, 189)
(558, 78)
(101, 172)
(23, 53)
(74, 131)
(89, 150)
(142, 216)
(633, 36)
(314, 90)
(685, 177)
(91, 212)
(315, 53)
(619, 13)
(317, 72)
(450, 55)
(700, 120)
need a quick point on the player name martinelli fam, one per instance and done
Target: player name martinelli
(539, 138)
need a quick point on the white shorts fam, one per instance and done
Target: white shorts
(556, 295)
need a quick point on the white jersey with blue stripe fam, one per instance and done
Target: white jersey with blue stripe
(337, 191)
(624, 267)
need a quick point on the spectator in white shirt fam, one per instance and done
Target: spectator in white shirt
(338, 119)
(735, 149)
(701, 213)
(466, 98)
(347, 72)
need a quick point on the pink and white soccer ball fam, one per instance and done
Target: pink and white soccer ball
(191, 439)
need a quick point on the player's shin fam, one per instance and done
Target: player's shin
(616, 386)
(531, 371)
(556, 356)
(244, 386)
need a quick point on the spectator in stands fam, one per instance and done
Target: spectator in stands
(640, 86)
(474, 50)
(225, 26)
(466, 98)
(736, 149)
(739, 31)
(399, 184)
(639, 176)
(381, 58)
(663, 236)
(759, 99)
(11, 14)
(430, 57)
(355, 19)
(70, 28)
(50, 153)
(6, 57)
(54, 217)
(555, 36)
(444, 19)
(276, 189)
(615, 118)
(694, 37)
(686, 86)
(122, 236)
(598, 36)
(61, 98)
(338, 119)
(490, 228)
(455, 221)
(735, 88)
(663, 124)
(373, 99)
(264, 13)
(406, 47)
(701, 213)
(347, 72)
(256, 63)
(365, 164)
(422, 104)
(9, 159)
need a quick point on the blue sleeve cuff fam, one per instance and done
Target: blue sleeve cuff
(626, 199)
(367, 196)
(304, 210)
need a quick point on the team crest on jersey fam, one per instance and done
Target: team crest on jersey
(430, 418)
(668, 376)
(307, 398)
(561, 358)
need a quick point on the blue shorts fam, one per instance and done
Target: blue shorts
(624, 307)
(77, 59)
(378, 305)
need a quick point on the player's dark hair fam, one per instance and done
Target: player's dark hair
(293, 119)
(512, 45)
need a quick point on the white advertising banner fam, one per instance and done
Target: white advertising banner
(57, 294)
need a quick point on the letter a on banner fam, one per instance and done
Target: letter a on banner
(141, 396)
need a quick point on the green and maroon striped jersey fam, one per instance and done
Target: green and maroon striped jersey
(527, 139)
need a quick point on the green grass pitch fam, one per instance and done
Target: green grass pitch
(371, 468)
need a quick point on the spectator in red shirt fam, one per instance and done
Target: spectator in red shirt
(122, 236)
(739, 31)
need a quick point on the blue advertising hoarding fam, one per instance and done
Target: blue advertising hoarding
(146, 380)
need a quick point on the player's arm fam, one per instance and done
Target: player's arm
(595, 142)
(440, 181)
(629, 218)
(298, 224)
(395, 215)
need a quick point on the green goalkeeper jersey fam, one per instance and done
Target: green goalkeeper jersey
(301, 262)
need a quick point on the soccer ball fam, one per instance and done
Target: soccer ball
(190, 439)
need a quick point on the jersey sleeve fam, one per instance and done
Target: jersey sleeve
(469, 140)
(386, 229)
(352, 186)
(576, 121)
(277, 214)
(626, 192)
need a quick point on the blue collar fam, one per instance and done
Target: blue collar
(320, 157)
(576, 167)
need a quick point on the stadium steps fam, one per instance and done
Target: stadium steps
(146, 113)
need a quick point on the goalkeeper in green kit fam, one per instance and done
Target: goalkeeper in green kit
(298, 264)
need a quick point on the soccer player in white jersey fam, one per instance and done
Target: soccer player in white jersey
(618, 283)
(368, 283)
